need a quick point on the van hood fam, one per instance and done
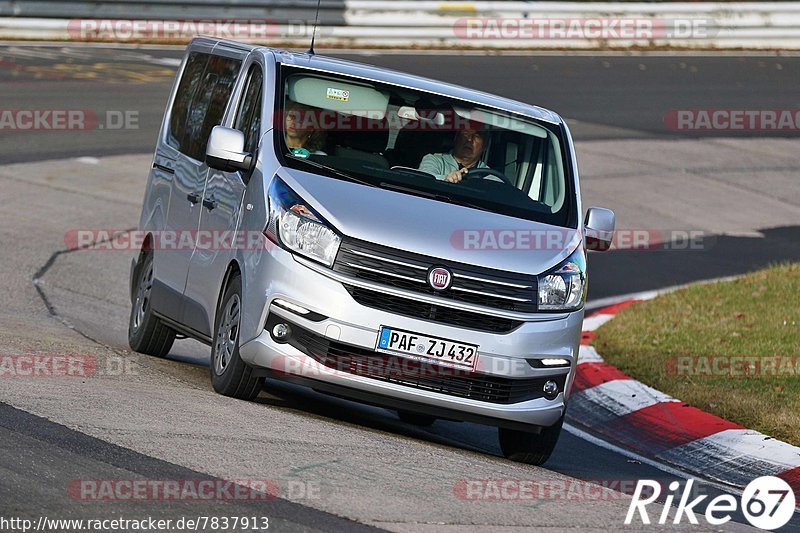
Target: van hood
(433, 228)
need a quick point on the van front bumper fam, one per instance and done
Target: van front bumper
(338, 319)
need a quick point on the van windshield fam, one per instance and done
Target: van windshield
(424, 144)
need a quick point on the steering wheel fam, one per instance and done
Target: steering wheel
(474, 173)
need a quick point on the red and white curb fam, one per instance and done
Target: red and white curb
(628, 413)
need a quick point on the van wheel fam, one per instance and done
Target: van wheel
(231, 376)
(146, 333)
(416, 419)
(530, 448)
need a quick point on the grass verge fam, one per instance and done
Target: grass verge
(729, 348)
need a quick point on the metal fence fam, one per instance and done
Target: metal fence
(331, 11)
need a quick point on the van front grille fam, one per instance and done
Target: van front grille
(433, 313)
(405, 270)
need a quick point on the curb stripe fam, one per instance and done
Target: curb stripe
(616, 308)
(664, 426)
(735, 456)
(641, 418)
(623, 396)
(587, 354)
(792, 477)
(592, 374)
(587, 337)
(595, 321)
(747, 442)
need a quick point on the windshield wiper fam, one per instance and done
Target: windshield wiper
(432, 196)
(338, 172)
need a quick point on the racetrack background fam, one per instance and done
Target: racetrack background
(737, 187)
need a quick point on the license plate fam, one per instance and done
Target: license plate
(427, 349)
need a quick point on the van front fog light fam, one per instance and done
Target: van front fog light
(281, 331)
(550, 389)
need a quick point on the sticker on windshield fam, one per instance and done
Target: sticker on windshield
(338, 94)
(301, 153)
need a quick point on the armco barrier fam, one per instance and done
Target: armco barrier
(331, 11)
(408, 24)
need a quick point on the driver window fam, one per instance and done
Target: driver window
(248, 116)
(552, 185)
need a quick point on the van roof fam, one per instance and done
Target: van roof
(392, 77)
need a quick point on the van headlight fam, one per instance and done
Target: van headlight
(297, 227)
(564, 288)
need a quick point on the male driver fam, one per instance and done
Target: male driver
(468, 147)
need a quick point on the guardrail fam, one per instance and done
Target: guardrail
(416, 24)
(331, 11)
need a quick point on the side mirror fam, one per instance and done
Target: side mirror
(599, 228)
(225, 150)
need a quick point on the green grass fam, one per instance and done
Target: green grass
(755, 316)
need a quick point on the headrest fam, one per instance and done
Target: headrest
(365, 134)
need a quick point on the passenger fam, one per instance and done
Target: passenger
(302, 138)
(468, 147)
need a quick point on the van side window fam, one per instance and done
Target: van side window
(195, 66)
(207, 95)
(209, 104)
(248, 117)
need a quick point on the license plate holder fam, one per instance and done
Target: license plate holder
(427, 348)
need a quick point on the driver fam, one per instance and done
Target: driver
(468, 147)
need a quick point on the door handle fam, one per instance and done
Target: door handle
(210, 204)
(193, 197)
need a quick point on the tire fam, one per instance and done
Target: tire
(529, 448)
(230, 376)
(146, 333)
(416, 419)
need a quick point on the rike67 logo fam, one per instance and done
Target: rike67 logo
(767, 503)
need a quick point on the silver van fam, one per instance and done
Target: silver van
(373, 235)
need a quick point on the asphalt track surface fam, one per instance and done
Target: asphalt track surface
(607, 97)
(604, 97)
